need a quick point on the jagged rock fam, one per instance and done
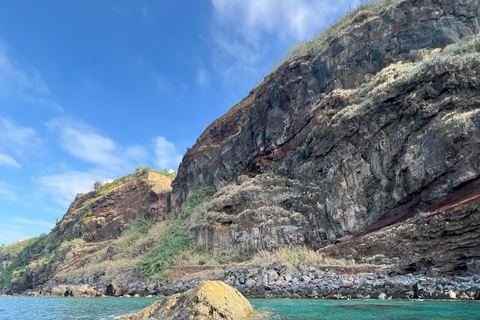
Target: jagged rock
(307, 158)
(59, 290)
(114, 290)
(74, 291)
(477, 295)
(106, 216)
(209, 300)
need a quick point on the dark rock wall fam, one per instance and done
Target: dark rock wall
(280, 107)
(301, 168)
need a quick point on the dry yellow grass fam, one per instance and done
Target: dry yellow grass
(296, 258)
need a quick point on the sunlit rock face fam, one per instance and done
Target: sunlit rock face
(98, 217)
(210, 300)
(344, 140)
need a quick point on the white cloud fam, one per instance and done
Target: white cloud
(17, 139)
(166, 154)
(64, 187)
(19, 82)
(245, 31)
(6, 191)
(8, 161)
(84, 142)
(39, 223)
(298, 19)
(202, 79)
(13, 79)
(110, 160)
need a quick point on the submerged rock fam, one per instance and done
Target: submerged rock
(209, 300)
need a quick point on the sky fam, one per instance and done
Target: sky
(90, 90)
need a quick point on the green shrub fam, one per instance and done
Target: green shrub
(162, 255)
(164, 172)
(192, 203)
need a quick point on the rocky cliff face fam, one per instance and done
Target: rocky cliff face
(101, 215)
(85, 234)
(289, 98)
(368, 129)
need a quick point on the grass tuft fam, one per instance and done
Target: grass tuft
(296, 258)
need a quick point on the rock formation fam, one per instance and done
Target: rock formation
(209, 300)
(375, 124)
(92, 220)
(104, 214)
(363, 144)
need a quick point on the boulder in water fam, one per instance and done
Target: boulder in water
(209, 300)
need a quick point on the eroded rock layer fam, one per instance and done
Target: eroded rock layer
(97, 217)
(376, 126)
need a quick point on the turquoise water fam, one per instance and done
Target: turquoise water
(371, 309)
(108, 308)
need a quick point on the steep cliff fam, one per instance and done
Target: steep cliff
(104, 213)
(89, 232)
(362, 128)
(363, 144)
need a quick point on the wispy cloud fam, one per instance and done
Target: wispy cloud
(84, 142)
(167, 156)
(245, 31)
(297, 19)
(39, 223)
(202, 79)
(163, 84)
(6, 190)
(108, 159)
(21, 82)
(16, 141)
(63, 187)
(8, 161)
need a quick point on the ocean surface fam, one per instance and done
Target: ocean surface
(32, 308)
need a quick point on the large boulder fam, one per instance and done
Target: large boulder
(58, 290)
(209, 300)
(74, 291)
(114, 290)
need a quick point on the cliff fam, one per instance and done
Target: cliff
(93, 222)
(366, 126)
(104, 213)
(363, 145)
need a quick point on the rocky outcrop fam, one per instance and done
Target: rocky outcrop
(114, 290)
(289, 98)
(101, 215)
(85, 232)
(444, 240)
(209, 300)
(343, 141)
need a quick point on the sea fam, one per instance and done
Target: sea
(45, 308)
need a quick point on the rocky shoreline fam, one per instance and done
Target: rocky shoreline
(274, 282)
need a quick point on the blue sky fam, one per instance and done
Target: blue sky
(90, 90)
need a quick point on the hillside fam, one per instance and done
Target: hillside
(358, 154)
(92, 230)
